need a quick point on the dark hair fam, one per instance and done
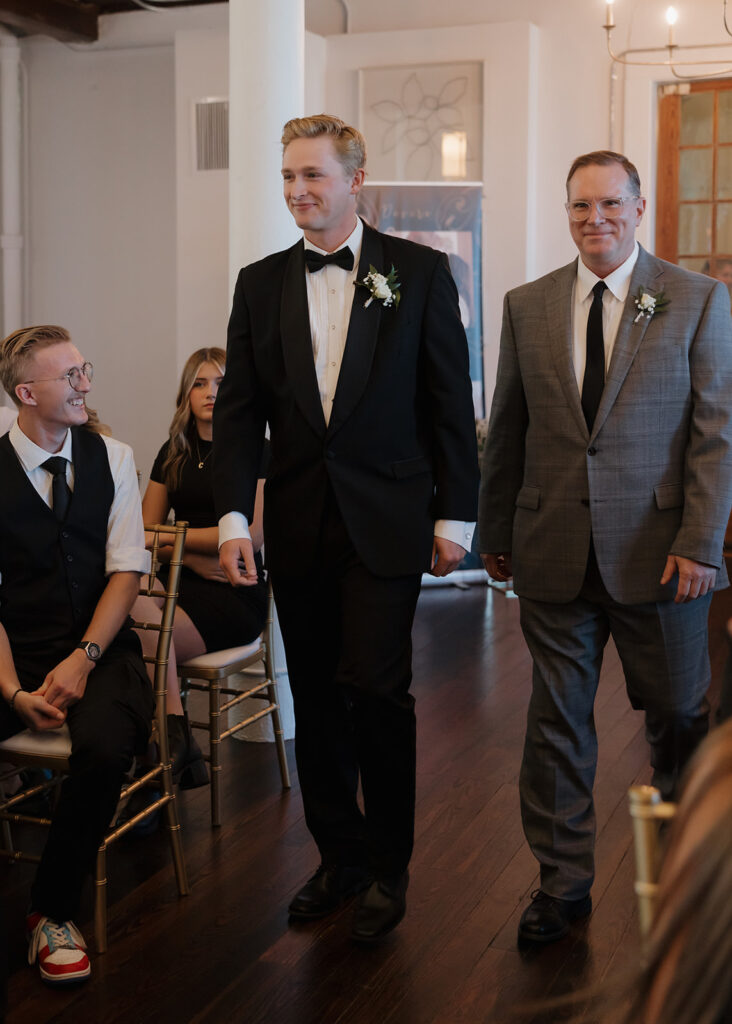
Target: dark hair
(604, 158)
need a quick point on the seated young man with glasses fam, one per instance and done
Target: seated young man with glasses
(72, 549)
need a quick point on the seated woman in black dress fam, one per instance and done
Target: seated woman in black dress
(211, 614)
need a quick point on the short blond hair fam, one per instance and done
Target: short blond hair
(350, 145)
(18, 349)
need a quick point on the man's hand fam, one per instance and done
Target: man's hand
(498, 566)
(66, 683)
(695, 578)
(231, 554)
(446, 556)
(37, 713)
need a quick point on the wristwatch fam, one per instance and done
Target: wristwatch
(93, 651)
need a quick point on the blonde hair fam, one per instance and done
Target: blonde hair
(686, 976)
(350, 145)
(18, 349)
(183, 425)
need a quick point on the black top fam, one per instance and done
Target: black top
(192, 498)
(225, 616)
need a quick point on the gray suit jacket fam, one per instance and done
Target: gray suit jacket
(655, 476)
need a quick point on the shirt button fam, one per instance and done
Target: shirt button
(332, 364)
(69, 558)
(332, 327)
(332, 291)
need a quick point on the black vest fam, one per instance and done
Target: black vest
(52, 573)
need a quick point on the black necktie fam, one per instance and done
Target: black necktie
(315, 261)
(594, 379)
(60, 490)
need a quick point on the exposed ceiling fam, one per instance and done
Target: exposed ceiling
(72, 20)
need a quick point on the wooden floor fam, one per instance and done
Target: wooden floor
(226, 952)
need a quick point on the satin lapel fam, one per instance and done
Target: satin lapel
(647, 273)
(559, 319)
(363, 330)
(297, 344)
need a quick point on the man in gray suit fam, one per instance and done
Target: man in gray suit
(607, 483)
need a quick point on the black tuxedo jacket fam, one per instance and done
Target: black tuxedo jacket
(399, 451)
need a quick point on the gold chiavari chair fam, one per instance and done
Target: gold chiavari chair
(648, 812)
(51, 750)
(209, 671)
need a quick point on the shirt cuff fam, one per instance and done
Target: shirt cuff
(233, 526)
(458, 532)
(127, 560)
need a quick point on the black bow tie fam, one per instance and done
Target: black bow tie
(315, 261)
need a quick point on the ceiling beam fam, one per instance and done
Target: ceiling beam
(60, 19)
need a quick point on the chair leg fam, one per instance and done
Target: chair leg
(7, 837)
(100, 900)
(174, 833)
(279, 735)
(214, 715)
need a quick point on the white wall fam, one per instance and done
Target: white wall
(202, 300)
(102, 222)
(129, 250)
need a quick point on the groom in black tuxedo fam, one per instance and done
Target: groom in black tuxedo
(373, 480)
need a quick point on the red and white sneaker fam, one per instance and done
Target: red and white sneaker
(58, 948)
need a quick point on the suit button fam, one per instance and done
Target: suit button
(65, 534)
(585, 502)
(592, 451)
(74, 585)
(69, 558)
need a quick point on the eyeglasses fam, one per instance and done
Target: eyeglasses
(73, 376)
(608, 209)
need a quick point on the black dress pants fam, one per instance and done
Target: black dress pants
(347, 636)
(108, 726)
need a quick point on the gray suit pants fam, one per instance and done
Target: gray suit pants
(664, 653)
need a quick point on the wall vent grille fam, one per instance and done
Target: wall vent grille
(212, 135)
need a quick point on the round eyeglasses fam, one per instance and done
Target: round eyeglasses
(73, 376)
(608, 209)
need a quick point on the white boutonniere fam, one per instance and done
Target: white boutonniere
(648, 305)
(383, 287)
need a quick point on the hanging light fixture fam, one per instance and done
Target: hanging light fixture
(672, 48)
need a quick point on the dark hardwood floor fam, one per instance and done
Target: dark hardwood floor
(226, 953)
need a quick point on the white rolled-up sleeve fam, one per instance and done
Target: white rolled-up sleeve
(125, 551)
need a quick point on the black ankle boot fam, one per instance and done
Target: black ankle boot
(189, 767)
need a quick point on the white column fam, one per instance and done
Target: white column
(11, 239)
(266, 89)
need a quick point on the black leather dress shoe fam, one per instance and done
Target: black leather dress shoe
(547, 918)
(327, 890)
(380, 908)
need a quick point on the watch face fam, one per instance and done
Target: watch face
(93, 651)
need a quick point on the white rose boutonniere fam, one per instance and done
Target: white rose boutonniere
(384, 287)
(648, 305)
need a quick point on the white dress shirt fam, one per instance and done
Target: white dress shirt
(613, 302)
(330, 298)
(125, 546)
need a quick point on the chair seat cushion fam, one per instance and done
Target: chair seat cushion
(222, 659)
(55, 744)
